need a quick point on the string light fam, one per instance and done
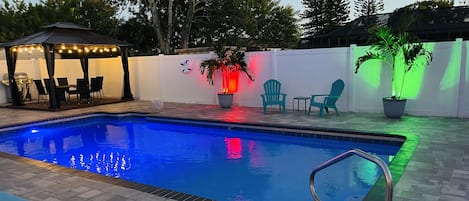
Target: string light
(69, 49)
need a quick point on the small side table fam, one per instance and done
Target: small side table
(298, 98)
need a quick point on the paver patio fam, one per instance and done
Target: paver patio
(437, 170)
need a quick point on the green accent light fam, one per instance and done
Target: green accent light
(451, 76)
(371, 75)
(414, 79)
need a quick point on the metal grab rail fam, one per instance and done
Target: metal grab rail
(358, 152)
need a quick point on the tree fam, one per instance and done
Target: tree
(13, 23)
(403, 17)
(19, 18)
(323, 16)
(368, 7)
(139, 32)
(264, 23)
(171, 20)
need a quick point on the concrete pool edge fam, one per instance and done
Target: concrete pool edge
(161, 192)
(397, 165)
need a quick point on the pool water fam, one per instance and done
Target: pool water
(211, 162)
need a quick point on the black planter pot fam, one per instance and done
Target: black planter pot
(225, 100)
(394, 108)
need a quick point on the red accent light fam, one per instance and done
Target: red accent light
(230, 81)
(234, 148)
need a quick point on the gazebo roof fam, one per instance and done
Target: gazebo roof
(65, 33)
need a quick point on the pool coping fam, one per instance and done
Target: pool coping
(397, 165)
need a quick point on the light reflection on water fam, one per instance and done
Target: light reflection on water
(209, 162)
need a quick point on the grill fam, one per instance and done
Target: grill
(22, 81)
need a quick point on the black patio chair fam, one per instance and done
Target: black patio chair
(40, 89)
(100, 85)
(83, 91)
(47, 85)
(63, 81)
(94, 87)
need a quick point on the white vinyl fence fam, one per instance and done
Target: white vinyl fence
(443, 88)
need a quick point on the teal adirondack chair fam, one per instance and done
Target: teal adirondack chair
(272, 95)
(329, 99)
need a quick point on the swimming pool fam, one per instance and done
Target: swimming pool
(223, 162)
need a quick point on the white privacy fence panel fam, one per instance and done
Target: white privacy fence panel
(443, 87)
(312, 71)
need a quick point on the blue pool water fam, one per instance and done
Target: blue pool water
(212, 162)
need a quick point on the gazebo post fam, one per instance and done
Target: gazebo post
(11, 57)
(84, 67)
(50, 63)
(125, 65)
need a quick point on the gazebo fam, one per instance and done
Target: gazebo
(70, 41)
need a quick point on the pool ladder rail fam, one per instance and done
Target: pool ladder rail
(358, 152)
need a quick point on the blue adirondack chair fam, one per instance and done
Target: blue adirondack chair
(329, 99)
(272, 95)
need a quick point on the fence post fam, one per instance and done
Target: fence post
(462, 78)
(273, 60)
(351, 84)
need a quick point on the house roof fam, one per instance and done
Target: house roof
(443, 24)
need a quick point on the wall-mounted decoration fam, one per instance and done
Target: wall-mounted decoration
(185, 67)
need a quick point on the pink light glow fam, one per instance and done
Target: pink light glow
(233, 148)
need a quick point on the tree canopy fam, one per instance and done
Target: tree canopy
(161, 26)
(323, 16)
(368, 7)
(20, 18)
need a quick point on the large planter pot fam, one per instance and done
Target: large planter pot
(394, 108)
(225, 100)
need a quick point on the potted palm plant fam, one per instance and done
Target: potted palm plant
(402, 53)
(229, 62)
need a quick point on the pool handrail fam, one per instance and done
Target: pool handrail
(384, 167)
